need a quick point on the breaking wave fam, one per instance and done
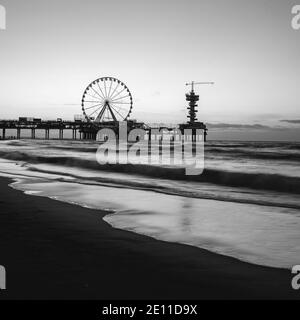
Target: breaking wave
(262, 181)
(253, 154)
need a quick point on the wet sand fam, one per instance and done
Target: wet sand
(55, 250)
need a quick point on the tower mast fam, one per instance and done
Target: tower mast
(192, 98)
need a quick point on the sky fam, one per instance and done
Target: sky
(51, 51)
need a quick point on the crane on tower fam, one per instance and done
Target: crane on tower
(193, 84)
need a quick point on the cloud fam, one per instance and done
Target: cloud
(297, 121)
(237, 126)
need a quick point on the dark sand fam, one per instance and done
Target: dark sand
(54, 250)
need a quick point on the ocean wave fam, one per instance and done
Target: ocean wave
(250, 150)
(171, 190)
(263, 181)
(254, 154)
(255, 145)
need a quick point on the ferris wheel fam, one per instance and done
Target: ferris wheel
(106, 99)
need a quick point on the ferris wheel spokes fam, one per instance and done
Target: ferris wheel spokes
(117, 111)
(120, 98)
(115, 89)
(118, 93)
(103, 96)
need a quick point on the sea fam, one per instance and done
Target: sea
(244, 205)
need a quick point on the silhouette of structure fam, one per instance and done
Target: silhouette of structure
(193, 124)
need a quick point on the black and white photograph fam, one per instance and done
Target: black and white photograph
(149, 154)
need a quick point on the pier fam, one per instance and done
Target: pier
(88, 131)
(18, 126)
(106, 103)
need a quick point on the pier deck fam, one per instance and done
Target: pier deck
(84, 130)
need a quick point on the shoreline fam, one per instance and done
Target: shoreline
(56, 250)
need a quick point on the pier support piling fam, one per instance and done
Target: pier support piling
(32, 133)
(74, 134)
(61, 134)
